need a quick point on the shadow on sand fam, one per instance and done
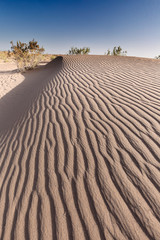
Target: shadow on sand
(15, 103)
(9, 72)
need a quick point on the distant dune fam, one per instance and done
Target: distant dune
(80, 151)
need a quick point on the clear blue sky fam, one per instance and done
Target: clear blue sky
(100, 25)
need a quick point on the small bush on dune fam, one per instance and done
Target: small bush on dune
(108, 52)
(81, 51)
(26, 55)
(117, 51)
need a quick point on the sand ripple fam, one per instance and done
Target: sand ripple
(80, 151)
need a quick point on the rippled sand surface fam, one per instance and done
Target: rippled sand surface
(80, 151)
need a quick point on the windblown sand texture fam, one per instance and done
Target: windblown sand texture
(80, 151)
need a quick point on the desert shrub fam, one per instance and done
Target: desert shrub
(81, 51)
(108, 52)
(26, 55)
(117, 51)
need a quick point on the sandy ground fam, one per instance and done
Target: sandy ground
(80, 151)
(9, 77)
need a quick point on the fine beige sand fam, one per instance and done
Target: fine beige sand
(80, 151)
(9, 77)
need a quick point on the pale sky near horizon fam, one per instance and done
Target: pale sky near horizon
(100, 25)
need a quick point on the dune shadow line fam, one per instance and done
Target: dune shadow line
(15, 103)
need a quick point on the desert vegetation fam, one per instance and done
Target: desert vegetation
(27, 55)
(10, 56)
(117, 51)
(81, 51)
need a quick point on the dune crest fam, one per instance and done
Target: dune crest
(80, 151)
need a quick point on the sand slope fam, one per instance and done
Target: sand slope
(80, 151)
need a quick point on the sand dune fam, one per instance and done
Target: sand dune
(80, 151)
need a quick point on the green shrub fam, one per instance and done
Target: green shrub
(108, 52)
(81, 51)
(26, 55)
(117, 51)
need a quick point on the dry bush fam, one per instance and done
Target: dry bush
(117, 51)
(81, 51)
(26, 55)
